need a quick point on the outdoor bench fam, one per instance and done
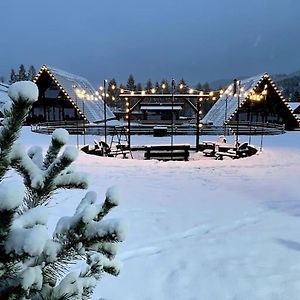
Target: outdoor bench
(167, 152)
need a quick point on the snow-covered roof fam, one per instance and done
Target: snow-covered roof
(4, 99)
(294, 105)
(80, 93)
(216, 114)
(160, 107)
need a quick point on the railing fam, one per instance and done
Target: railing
(255, 128)
(73, 127)
(244, 128)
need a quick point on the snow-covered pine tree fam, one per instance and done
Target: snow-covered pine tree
(32, 264)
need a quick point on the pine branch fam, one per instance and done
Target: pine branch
(59, 139)
(111, 201)
(107, 249)
(72, 181)
(105, 209)
(110, 237)
(52, 153)
(58, 166)
(69, 252)
(10, 131)
(24, 171)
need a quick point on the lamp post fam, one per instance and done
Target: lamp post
(128, 117)
(236, 90)
(252, 97)
(225, 116)
(105, 121)
(264, 97)
(198, 123)
(172, 125)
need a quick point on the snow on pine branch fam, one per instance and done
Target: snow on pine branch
(11, 194)
(60, 136)
(59, 139)
(25, 165)
(106, 230)
(32, 277)
(29, 241)
(36, 155)
(71, 180)
(59, 173)
(113, 195)
(23, 91)
(35, 216)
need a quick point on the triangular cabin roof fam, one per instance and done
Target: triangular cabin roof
(216, 114)
(80, 93)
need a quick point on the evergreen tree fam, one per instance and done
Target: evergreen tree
(31, 73)
(199, 86)
(157, 87)
(131, 83)
(165, 87)
(32, 264)
(113, 92)
(13, 76)
(296, 96)
(121, 104)
(149, 86)
(181, 87)
(139, 87)
(22, 73)
(206, 87)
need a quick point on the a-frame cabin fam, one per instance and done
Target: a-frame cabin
(65, 97)
(256, 99)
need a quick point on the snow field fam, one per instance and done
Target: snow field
(202, 229)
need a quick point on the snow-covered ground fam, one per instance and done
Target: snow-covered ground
(202, 229)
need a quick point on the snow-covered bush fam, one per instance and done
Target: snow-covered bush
(34, 265)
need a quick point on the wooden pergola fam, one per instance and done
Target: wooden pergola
(141, 96)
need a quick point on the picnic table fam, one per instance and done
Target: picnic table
(167, 152)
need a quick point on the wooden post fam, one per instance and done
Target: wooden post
(128, 116)
(172, 125)
(104, 99)
(198, 125)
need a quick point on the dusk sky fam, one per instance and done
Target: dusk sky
(199, 40)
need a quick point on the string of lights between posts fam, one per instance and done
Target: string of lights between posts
(251, 95)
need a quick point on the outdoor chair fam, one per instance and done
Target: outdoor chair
(243, 150)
